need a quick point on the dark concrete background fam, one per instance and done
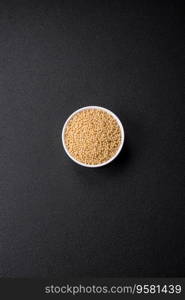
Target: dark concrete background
(58, 219)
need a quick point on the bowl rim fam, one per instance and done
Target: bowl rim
(121, 130)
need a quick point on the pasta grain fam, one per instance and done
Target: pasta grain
(92, 136)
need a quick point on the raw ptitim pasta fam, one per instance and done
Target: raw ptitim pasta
(92, 136)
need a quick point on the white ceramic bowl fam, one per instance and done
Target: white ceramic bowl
(121, 130)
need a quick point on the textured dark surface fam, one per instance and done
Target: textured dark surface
(58, 219)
